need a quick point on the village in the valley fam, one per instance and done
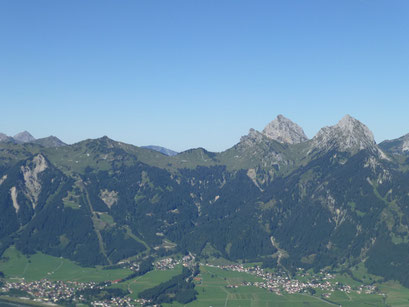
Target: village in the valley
(277, 281)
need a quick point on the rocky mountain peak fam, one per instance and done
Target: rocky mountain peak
(352, 125)
(24, 137)
(4, 138)
(284, 130)
(349, 134)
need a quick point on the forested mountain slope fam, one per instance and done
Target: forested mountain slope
(334, 200)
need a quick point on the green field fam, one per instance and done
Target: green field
(210, 285)
(149, 280)
(212, 292)
(396, 295)
(15, 265)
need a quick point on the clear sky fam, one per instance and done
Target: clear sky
(200, 73)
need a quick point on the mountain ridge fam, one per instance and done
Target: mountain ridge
(329, 202)
(281, 129)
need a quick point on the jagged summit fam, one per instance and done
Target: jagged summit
(349, 134)
(284, 130)
(24, 137)
(252, 138)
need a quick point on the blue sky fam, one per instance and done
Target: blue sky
(200, 73)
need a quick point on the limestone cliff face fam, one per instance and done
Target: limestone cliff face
(284, 130)
(30, 173)
(13, 193)
(348, 135)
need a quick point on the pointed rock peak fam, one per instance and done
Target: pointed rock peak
(24, 137)
(349, 134)
(354, 126)
(284, 130)
(349, 123)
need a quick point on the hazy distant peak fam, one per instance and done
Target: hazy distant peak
(163, 150)
(284, 130)
(4, 137)
(24, 137)
(50, 141)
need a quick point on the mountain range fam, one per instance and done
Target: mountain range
(336, 200)
(53, 141)
(26, 137)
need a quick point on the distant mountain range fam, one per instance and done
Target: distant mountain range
(335, 200)
(52, 141)
(26, 137)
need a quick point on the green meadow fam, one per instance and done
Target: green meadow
(210, 284)
(38, 266)
(212, 291)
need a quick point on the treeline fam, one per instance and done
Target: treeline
(179, 288)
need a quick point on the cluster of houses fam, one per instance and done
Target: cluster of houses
(115, 301)
(170, 263)
(48, 291)
(166, 264)
(134, 266)
(279, 282)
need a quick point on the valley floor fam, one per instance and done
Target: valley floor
(216, 285)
